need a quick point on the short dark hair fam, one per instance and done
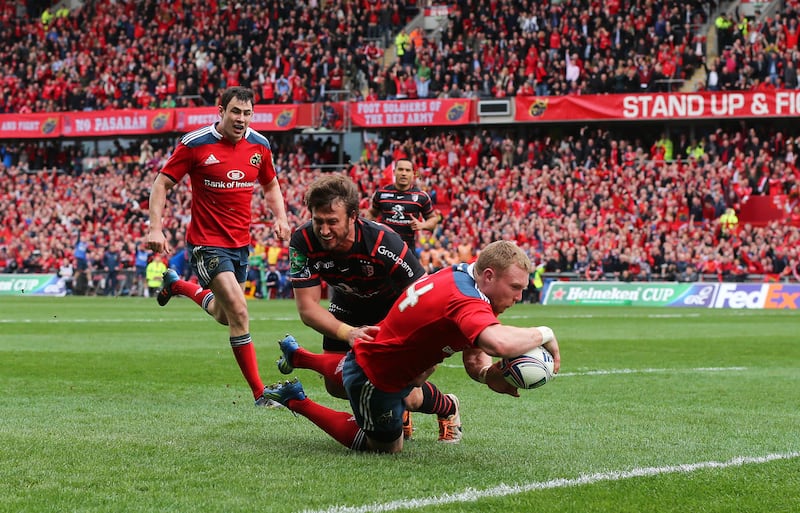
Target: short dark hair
(328, 189)
(244, 94)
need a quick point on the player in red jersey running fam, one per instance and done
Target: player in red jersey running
(224, 161)
(453, 310)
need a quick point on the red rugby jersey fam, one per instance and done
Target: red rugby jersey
(223, 177)
(439, 315)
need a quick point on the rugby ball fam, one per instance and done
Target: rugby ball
(530, 370)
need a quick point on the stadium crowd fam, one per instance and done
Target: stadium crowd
(146, 54)
(592, 203)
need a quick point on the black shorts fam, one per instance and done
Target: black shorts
(209, 261)
(378, 413)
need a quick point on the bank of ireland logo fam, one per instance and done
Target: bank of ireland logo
(235, 174)
(537, 108)
(456, 112)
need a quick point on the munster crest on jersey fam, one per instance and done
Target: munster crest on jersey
(256, 159)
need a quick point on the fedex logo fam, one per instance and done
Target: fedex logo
(743, 295)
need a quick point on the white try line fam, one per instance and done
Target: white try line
(502, 490)
(609, 372)
(650, 371)
(110, 320)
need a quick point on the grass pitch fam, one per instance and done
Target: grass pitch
(119, 405)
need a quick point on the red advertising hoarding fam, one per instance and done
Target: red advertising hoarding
(633, 107)
(30, 126)
(418, 112)
(266, 118)
(112, 123)
(399, 113)
(116, 123)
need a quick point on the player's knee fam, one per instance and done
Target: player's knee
(385, 441)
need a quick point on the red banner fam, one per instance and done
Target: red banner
(423, 112)
(117, 122)
(631, 107)
(267, 118)
(383, 114)
(30, 126)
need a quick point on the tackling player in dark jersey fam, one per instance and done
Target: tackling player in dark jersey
(368, 266)
(453, 310)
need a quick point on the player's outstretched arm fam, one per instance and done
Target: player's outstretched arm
(479, 367)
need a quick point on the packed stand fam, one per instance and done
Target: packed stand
(149, 54)
(616, 206)
(509, 48)
(592, 204)
(756, 54)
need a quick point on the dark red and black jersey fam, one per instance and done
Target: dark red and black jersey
(398, 208)
(376, 270)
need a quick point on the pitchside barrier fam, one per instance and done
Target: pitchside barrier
(699, 294)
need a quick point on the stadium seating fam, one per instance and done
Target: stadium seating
(586, 196)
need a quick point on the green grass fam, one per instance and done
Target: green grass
(118, 405)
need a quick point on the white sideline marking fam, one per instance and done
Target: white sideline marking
(650, 371)
(67, 320)
(502, 490)
(627, 371)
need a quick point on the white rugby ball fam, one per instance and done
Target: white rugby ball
(530, 370)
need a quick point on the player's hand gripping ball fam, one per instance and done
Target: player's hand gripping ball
(530, 370)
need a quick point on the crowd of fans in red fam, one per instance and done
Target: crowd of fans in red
(591, 203)
(147, 54)
(597, 203)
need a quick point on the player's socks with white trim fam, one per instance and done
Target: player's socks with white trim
(328, 365)
(193, 291)
(245, 353)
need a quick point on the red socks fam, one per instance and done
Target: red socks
(193, 291)
(245, 353)
(329, 365)
(341, 426)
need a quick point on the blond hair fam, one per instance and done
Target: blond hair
(500, 255)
